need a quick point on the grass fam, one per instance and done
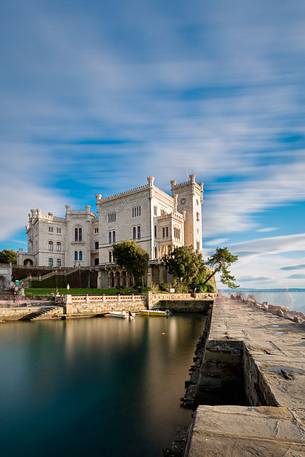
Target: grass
(63, 291)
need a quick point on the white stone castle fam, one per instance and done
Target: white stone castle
(158, 222)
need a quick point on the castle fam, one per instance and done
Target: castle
(157, 221)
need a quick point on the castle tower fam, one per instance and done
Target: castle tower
(189, 197)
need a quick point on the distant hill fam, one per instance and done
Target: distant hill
(241, 289)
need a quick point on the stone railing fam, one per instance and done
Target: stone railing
(103, 298)
(154, 299)
(101, 304)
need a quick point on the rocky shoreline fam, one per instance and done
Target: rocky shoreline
(277, 310)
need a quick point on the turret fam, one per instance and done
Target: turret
(189, 202)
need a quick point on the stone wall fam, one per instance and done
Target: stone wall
(257, 389)
(5, 275)
(95, 305)
(180, 302)
(18, 313)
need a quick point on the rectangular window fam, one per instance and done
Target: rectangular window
(109, 237)
(156, 252)
(136, 211)
(110, 257)
(80, 234)
(177, 233)
(113, 236)
(50, 262)
(76, 234)
(58, 230)
(155, 211)
(155, 231)
(51, 229)
(80, 255)
(163, 232)
(139, 232)
(96, 245)
(58, 262)
(112, 217)
(166, 232)
(96, 230)
(75, 255)
(134, 233)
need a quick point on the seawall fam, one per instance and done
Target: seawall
(249, 389)
(74, 306)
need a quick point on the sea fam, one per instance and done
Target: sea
(94, 387)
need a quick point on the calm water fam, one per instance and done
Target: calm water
(293, 300)
(96, 387)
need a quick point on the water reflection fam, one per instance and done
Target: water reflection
(100, 386)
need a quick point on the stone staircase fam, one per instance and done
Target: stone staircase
(51, 274)
(38, 314)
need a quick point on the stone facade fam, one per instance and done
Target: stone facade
(157, 221)
(5, 276)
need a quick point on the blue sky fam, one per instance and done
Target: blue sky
(97, 95)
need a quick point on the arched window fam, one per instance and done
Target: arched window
(80, 255)
(58, 246)
(50, 245)
(75, 255)
(78, 234)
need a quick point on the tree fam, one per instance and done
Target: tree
(220, 262)
(133, 258)
(8, 256)
(186, 266)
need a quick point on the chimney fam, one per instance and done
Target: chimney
(192, 179)
(173, 183)
(150, 180)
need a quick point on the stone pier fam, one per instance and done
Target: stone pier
(251, 386)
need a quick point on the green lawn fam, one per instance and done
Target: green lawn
(51, 291)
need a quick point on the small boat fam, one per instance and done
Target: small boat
(155, 312)
(118, 314)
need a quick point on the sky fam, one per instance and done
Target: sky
(95, 96)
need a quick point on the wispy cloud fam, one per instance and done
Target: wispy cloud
(300, 266)
(297, 276)
(267, 229)
(96, 98)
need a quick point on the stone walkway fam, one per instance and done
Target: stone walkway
(276, 347)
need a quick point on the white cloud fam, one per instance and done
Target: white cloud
(268, 258)
(267, 229)
(231, 209)
(216, 242)
(203, 91)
